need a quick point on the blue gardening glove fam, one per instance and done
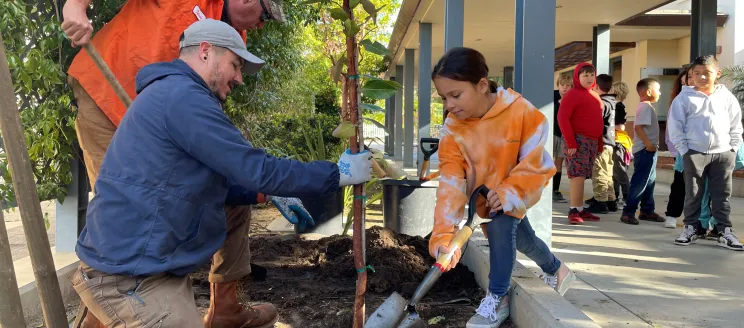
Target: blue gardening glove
(293, 210)
(354, 168)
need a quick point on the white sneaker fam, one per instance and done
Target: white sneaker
(729, 240)
(491, 313)
(670, 223)
(562, 280)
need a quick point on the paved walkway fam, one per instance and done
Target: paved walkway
(16, 236)
(635, 276)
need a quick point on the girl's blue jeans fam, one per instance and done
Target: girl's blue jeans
(507, 234)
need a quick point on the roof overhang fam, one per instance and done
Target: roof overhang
(490, 26)
(667, 20)
(581, 51)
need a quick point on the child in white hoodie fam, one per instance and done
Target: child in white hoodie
(705, 127)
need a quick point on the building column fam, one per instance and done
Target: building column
(398, 147)
(534, 45)
(454, 23)
(703, 28)
(386, 140)
(508, 77)
(71, 212)
(408, 86)
(601, 48)
(732, 47)
(424, 89)
(454, 30)
(390, 124)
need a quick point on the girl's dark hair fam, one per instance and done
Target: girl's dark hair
(463, 64)
(677, 87)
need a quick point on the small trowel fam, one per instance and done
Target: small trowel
(395, 311)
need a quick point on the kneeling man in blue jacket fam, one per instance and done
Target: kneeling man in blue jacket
(159, 209)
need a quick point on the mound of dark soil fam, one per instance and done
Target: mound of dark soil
(313, 282)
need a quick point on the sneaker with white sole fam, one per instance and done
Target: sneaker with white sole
(729, 240)
(562, 280)
(689, 235)
(491, 313)
(670, 222)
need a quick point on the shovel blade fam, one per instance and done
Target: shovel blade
(412, 321)
(389, 314)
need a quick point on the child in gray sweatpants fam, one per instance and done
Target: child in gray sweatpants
(705, 126)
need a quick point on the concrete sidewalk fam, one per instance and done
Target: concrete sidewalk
(635, 276)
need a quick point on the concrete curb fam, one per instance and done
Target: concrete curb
(533, 303)
(66, 263)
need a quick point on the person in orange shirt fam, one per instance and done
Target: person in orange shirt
(142, 33)
(492, 137)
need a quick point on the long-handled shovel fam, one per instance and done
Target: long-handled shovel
(106, 71)
(428, 146)
(395, 311)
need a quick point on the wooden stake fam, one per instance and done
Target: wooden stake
(358, 239)
(11, 311)
(28, 201)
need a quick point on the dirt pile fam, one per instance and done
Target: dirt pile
(313, 282)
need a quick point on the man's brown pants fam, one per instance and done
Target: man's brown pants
(118, 300)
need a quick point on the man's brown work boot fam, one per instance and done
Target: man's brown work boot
(226, 312)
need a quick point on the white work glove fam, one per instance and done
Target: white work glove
(354, 168)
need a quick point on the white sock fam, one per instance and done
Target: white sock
(580, 208)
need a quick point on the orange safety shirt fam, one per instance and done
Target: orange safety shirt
(142, 33)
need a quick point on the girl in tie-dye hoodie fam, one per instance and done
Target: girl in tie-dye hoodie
(495, 137)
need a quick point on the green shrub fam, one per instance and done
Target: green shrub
(326, 102)
(305, 137)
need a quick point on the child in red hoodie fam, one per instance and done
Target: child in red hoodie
(580, 121)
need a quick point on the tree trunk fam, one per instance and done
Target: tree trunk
(11, 311)
(352, 81)
(24, 185)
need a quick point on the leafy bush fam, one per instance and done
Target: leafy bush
(326, 102)
(305, 137)
(735, 74)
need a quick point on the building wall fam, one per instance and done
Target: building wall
(733, 46)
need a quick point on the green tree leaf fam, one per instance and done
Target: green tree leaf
(344, 130)
(380, 89)
(375, 47)
(353, 3)
(373, 108)
(369, 7)
(351, 28)
(338, 67)
(339, 14)
(309, 2)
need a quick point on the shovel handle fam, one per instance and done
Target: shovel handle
(424, 167)
(108, 74)
(378, 169)
(462, 236)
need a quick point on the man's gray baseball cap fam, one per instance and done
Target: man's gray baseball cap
(220, 34)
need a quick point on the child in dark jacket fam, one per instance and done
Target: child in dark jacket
(604, 193)
(580, 120)
(623, 143)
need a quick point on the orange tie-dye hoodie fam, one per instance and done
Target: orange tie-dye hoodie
(503, 150)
